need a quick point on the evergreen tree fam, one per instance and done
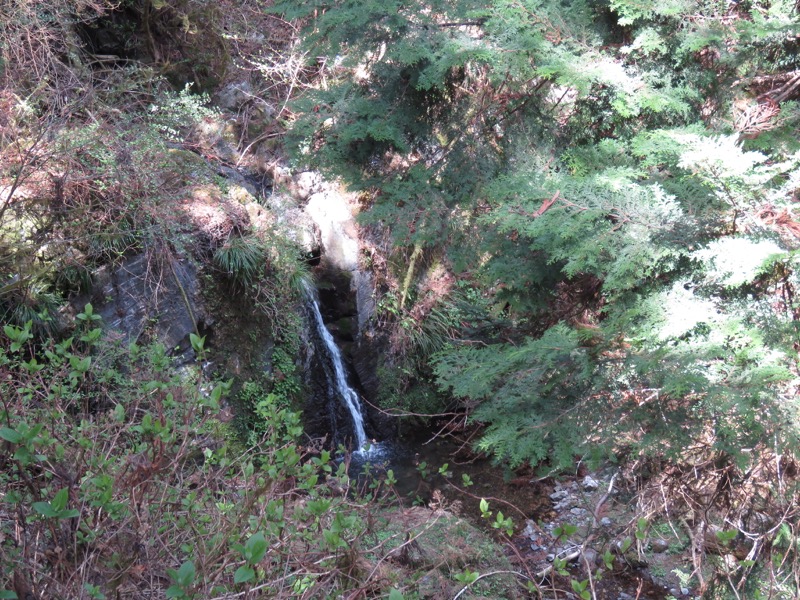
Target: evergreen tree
(614, 177)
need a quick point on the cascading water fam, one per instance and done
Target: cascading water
(337, 379)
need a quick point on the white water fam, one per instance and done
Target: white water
(343, 389)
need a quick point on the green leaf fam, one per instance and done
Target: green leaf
(44, 509)
(319, 506)
(174, 591)
(579, 586)
(484, 506)
(8, 595)
(81, 365)
(467, 577)
(92, 336)
(59, 501)
(608, 560)
(184, 576)
(244, 574)
(395, 595)
(255, 548)
(198, 342)
(10, 435)
(88, 314)
(725, 537)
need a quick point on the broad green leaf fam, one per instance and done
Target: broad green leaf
(59, 501)
(244, 574)
(11, 435)
(255, 548)
(45, 509)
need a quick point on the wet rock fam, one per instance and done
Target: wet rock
(559, 495)
(606, 522)
(578, 512)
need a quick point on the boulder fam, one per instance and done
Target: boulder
(157, 294)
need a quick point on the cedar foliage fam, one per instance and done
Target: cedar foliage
(540, 146)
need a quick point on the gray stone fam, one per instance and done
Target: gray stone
(530, 530)
(559, 495)
(659, 545)
(606, 522)
(588, 557)
(578, 512)
(306, 184)
(161, 296)
(233, 95)
(684, 591)
(590, 484)
(566, 503)
(624, 596)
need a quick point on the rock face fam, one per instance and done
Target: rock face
(331, 212)
(345, 291)
(163, 300)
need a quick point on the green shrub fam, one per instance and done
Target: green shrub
(241, 258)
(118, 484)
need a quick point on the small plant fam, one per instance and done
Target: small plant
(241, 259)
(467, 577)
(581, 588)
(501, 522)
(182, 581)
(57, 507)
(253, 551)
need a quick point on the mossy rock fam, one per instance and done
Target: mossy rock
(444, 546)
(238, 193)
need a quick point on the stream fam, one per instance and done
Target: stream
(423, 464)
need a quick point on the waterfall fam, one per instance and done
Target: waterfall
(339, 380)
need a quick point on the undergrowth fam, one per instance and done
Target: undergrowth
(115, 482)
